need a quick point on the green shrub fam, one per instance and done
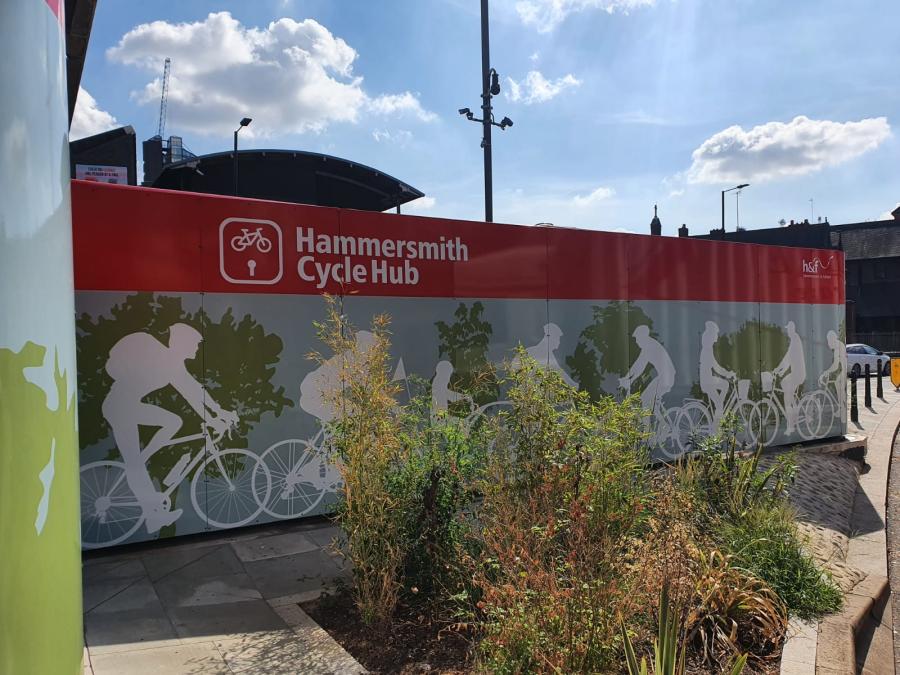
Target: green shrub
(407, 478)
(564, 492)
(765, 542)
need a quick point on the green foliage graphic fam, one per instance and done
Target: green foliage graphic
(465, 344)
(606, 347)
(755, 347)
(235, 365)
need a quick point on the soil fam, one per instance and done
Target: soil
(413, 645)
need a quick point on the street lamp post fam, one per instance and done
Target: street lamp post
(490, 86)
(244, 122)
(736, 187)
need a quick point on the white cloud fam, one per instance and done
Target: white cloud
(290, 76)
(88, 119)
(398, 137)
(536, 88)
(888, 215)
(420, 204)
(535, 57)
(602, 193)
(390, 104)
(545, 15)
(776, 149)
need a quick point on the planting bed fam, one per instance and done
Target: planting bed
(414, 644)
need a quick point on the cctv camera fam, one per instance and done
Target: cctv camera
(495, 82)
(464, 111)
(505, 122)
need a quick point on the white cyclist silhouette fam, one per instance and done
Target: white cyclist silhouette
(714, 378)
(836, 374)
(792, 371)
(653, 355)
(544, 352)
(441, 394)
(319, 388)
(139, 365)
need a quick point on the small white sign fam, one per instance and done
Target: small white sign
(117, 175)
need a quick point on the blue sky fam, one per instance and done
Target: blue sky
(617, 104)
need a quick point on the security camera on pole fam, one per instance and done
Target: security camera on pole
(490, 87)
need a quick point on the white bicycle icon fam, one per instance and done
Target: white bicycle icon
(248, 238)
(228, 489)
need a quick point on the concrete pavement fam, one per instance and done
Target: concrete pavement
(847, 534)
(226, 604)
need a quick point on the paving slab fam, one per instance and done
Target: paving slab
(127, 631)
(127, 568)
(176, 591)
(178, 659)
(204, 623)
(164, 561)
(323, 655)
(272, 652)
(273, 546)
(139, 595)
(296, 573)
(97, 592)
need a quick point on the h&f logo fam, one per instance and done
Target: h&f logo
(815, 266)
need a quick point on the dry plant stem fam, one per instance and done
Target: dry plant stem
(366, 442)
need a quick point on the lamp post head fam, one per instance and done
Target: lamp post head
(246, 121)
(743, 185)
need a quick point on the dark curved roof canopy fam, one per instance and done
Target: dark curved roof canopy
(289, 176)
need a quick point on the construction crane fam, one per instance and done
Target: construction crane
(164, 98)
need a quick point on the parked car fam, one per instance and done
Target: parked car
(858, 355)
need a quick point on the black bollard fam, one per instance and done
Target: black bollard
(868, 386)
(854, 406)
(879, 389)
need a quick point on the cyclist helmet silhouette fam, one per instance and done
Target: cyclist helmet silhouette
(139, 365)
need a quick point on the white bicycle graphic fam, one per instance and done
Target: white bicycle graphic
(248, 238)
(302, 473)
(223, 491)
(660, 423)
(695, 419)
(815, 411)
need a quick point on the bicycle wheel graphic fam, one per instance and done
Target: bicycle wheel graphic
(815, 415)
(744, 414)
(693, 422)
(110, 513)
(238, 243)
(764, 422)
(229, 498)
(263, 245)
(301, 476)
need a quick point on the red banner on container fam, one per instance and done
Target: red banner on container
(136, 239)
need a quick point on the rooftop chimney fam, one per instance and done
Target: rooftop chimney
(683, 230)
